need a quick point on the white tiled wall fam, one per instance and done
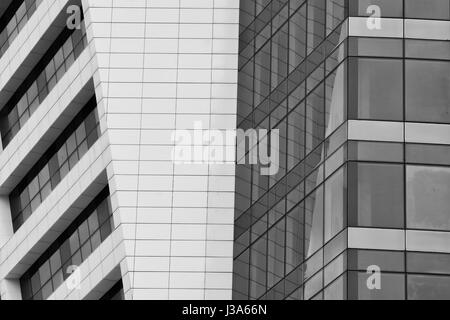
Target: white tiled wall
(163, 64)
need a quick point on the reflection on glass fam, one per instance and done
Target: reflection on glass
(389, 8)
(336, 99)
(335, 204)
(368, 79)
(314, 222)
(376, 195)
(427, 9)
(392, 287)
(428, 197)
(294, 238)
(427, 91)
(378, 47)
(427, 287)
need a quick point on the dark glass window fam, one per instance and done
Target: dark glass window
(427, 154)
(428, 197)
(297, 38)
(421, 262)
(427, 49)
(378, 47)
(389, 8)
(375, 151)
(335, 203)
(376, 195)
(375, 89)
(392, 287)
(336, 13)
(314, 222)
(316, 25)
(428, 91)
(427, 287)
(336, 99)
(315, 118)
(388, 261)
(294, 237)
(427, 9)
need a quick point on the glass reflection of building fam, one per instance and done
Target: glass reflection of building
(364, 175)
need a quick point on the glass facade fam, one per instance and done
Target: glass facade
(73, 143)
(301, 73)
(75, 244)
(48, 72)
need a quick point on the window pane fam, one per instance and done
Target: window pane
(427, 91)
(375, 151)
(335, 204)
(294, 238)
(428, 197)
(314, 222)
(297, 38)
(315, 118)
(428, 154)
(428, 263)
(376, 47)
(421, 287)
(335, 13)
(427, 9)
(376, 195)
(275, 251)
(392, 287)
(389, 8)
(336, 99)
(376, 89)
(427, 49)
(316, 23)
(390, 261)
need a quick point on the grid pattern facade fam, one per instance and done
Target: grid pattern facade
(363, 115)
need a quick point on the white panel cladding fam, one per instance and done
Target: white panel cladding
(162, 65)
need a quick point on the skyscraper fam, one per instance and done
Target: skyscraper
(360, 91)
(93, 205)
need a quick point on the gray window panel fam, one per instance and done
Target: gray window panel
(428, 197)
(336, 99)
(377, 47)
(376, 89)
(428, 154)
(376, 195)
(389, 8)
(337, 290)
(316, 23)
(375, 151)
(388, 261)
(258, 270)
(435, 263)
(315, 118)
(294, 237)
(392, 287)
(423, 287)
(428, 91)
(314, 222)
(427, 49)
(335, 204)
(275, 253)
(297, 38)
(427, 9)
(336, 12)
